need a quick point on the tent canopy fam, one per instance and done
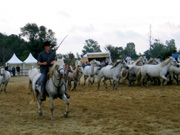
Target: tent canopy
(30, 59)
(14, 60)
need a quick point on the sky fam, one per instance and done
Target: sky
(114, 22)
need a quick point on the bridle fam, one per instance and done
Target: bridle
(59, 79)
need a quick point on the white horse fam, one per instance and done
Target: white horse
(173, 70)
(90, 71)
(31, 74)
(159, 70)
(55, 87)
(153, 61)
(4, 79)
(111, 72)
(131, 73)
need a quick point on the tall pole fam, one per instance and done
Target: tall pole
(3, 55)
(150, 37)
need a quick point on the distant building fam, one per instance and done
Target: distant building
(99, 56)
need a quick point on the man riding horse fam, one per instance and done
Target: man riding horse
(45, 60)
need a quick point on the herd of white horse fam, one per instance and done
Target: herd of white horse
(60, 77)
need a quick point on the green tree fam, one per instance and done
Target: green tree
(116, 52)
(12, 44)
(37, 36)
(130, 49)
(161, 50)
(91, 46)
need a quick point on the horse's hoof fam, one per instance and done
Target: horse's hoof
(40, 114)
(65, 115)
(52, 120)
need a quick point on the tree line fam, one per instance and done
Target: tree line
(32, 37)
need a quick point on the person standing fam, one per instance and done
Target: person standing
(175, 55)
(83, 65)
(9, 69)
(18, 70)
(128, 59)
(14, 71)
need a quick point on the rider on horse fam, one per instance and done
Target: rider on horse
(45, 60)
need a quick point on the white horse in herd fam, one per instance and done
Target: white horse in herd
(159, 70)
(4, 79)
(90, 71)
(173, 70)
(111, 72)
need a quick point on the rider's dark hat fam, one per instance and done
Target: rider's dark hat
(47, 43)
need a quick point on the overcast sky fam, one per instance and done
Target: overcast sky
(115, 22)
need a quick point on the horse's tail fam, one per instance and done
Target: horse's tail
(30, 86)
(33, 99)
(124, 74)
(31, 91)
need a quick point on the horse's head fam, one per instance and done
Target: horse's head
(122, 63)
(125, 65)
(157, 61)
(2, 70)
(144, 60)
(69, 69)
(174, 62)
(97, 63)
(80, 70)
(57, 69)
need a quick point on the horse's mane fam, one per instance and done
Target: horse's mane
(92, 62)
(165, 62)
(150, 60)
(119, 61)
(51, 70)
(138, 60)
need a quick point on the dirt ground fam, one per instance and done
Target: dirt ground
(127, 111)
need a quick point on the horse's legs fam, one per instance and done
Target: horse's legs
(142, 80)
(5, 85)
(75, 84)
(98, 81)
(38, 103)
(93, 80)
(85, 80)
(51, 108)
(1, 86)
(104, 81)
(110, 82)
(89, 80)
(114, 83)
(69, 85)
(163, 77)
(67, 106)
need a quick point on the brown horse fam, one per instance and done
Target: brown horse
(74, 76)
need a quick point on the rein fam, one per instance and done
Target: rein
(59, 79)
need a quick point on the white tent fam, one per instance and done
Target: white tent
(30, 61)
(14, 60)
